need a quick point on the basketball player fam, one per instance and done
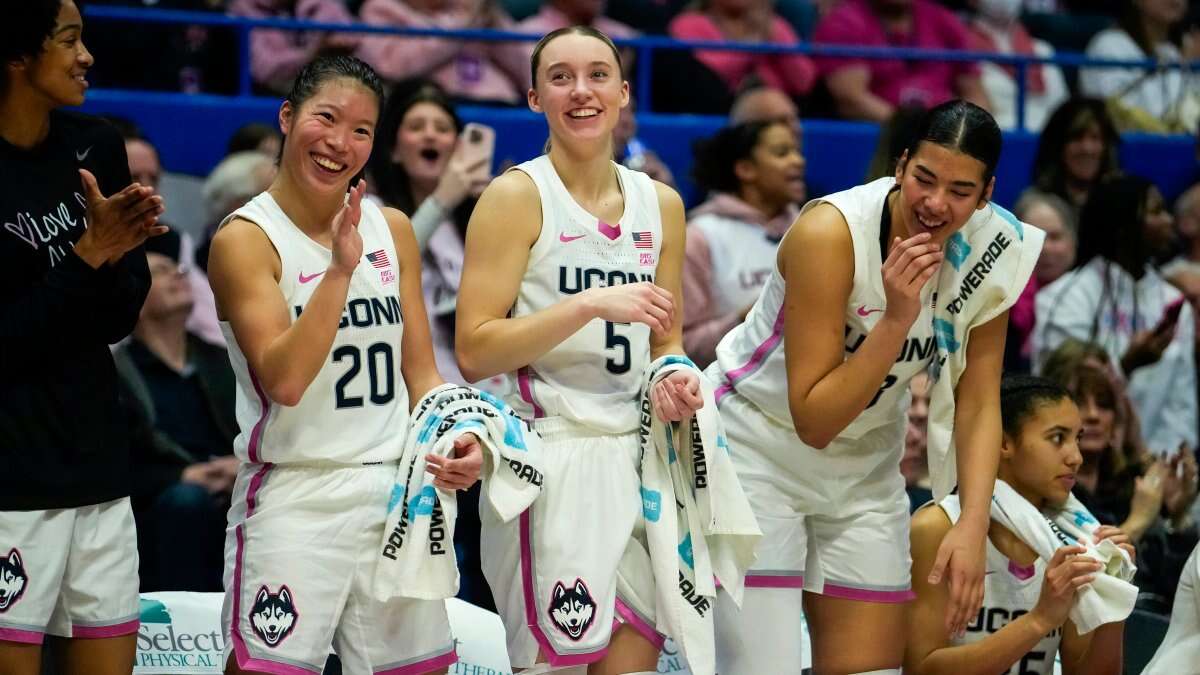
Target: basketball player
(817, 427)
(73, 277)
(319, 295)
(1023, 623)
(573, 264)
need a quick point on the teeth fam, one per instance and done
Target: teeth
(328, 163)
(584, 113)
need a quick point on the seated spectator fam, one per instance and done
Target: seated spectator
(1077, 149)
(234, 181)
(914, 464)
(1143, 32)
(629, 150)
(647, 16)
(1184, 270)
(746, 21)
(1117, 298)
(753, 175)
(476, 71)
(183, 469)
(555, 14)
(873, 89)
(276, 56)
(255, 136)
(996, 27)
(763, 103)
(1053, 216)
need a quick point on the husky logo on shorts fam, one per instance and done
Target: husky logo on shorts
(12, 579)
(273, 615)
(572, 609)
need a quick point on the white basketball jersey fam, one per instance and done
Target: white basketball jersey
(750, 359)
(743, 256)
(356, 409)
(1009, 592)
(592, 377)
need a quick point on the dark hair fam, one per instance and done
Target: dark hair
(962, 126)
(249, 137)
(322, 69)
(536, 58)
(23, 33)
(1067, 124)
(894, 136)
(1130, 21)
(714, 157)
(1022, 395)
(1110, 224)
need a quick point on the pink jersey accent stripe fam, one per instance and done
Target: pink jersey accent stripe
(868, 595)
(531, 619)
(427, 666)
(640, 625)
(757, 358)
(525, 384)
(25, 637)
(97, 632)
(257, 431)
(775, 581)
(1021, 572)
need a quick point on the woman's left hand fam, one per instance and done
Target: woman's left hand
(676, 396)
(461, 471)
(1118, 537)
(962, 557)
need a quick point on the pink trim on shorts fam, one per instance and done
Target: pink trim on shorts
(775, 581)
(639, 624)
(531, 619)
(525, 385)
(257, 431)
(428, 665)
(97, 632)
(25, 637)
(756, 359)
(868, 595)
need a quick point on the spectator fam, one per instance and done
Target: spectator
(1077, 149)
(1117, 298)
(914, 464)
(1187, 228)
(184, 470)
(1143, 32)
(555, 14)
(763, 103)
(753, 174)
(1053, 216)
(276, 56)
(873, 89)
(746, 21)
(996, 27)
(629, 150)
(255, 136)
(232, 183)
(488, 72)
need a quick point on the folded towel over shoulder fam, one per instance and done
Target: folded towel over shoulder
(417, 552)
(699, 525)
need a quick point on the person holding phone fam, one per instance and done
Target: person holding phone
(1117, 298)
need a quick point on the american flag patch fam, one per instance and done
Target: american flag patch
(379, 259)
(643, 240)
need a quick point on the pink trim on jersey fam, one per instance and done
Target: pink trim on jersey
(525, 385)
(1021, 572)
(775, 581)
(25, 637)
(428, 665)
(868, 595)
(531, 619)
(257, 431)
(640, 625)
(97, 632)
(757, 359)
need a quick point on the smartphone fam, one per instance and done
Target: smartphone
(476, 145)
(1170, 317)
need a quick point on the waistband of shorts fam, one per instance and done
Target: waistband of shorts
(557, 428)
(322, 466)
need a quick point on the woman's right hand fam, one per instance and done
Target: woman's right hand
(910, 264)
(1147, 499)
(460, 180)
(117, 224)
(347, 241)
(642, 302)
(1068, 570)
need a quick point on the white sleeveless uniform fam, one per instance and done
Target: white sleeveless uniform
(311, 495)
(553, 571)
(1009, 592)
(743, 257)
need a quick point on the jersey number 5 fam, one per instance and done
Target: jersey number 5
(380, 369)
(619, 343)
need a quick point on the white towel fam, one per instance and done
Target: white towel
(417, 552)
(987, 264)
(710, 532)
(1111, 596)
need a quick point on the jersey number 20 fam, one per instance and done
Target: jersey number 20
(380, 369)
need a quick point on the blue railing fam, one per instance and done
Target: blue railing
(644, 46)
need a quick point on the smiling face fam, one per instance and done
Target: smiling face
(424, 142)
(1041, 462)
(329, 137)
(58, 73)
(940, 189)
(1083, 155)
(580, 90)
(775, 168)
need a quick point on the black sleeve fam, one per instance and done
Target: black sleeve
(69, 296)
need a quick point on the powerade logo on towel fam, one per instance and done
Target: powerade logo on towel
(651, 505)
(184, 637)
(426, 503)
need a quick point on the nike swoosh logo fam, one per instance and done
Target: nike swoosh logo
(80, 156)
(562, 236)
(304, 279)
(863, 311)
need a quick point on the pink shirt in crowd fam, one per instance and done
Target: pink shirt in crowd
(927, 83)
(793, 73)
(276, 56)
(549, 19)
(494, 71)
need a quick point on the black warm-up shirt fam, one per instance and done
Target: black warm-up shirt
(63, 438)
